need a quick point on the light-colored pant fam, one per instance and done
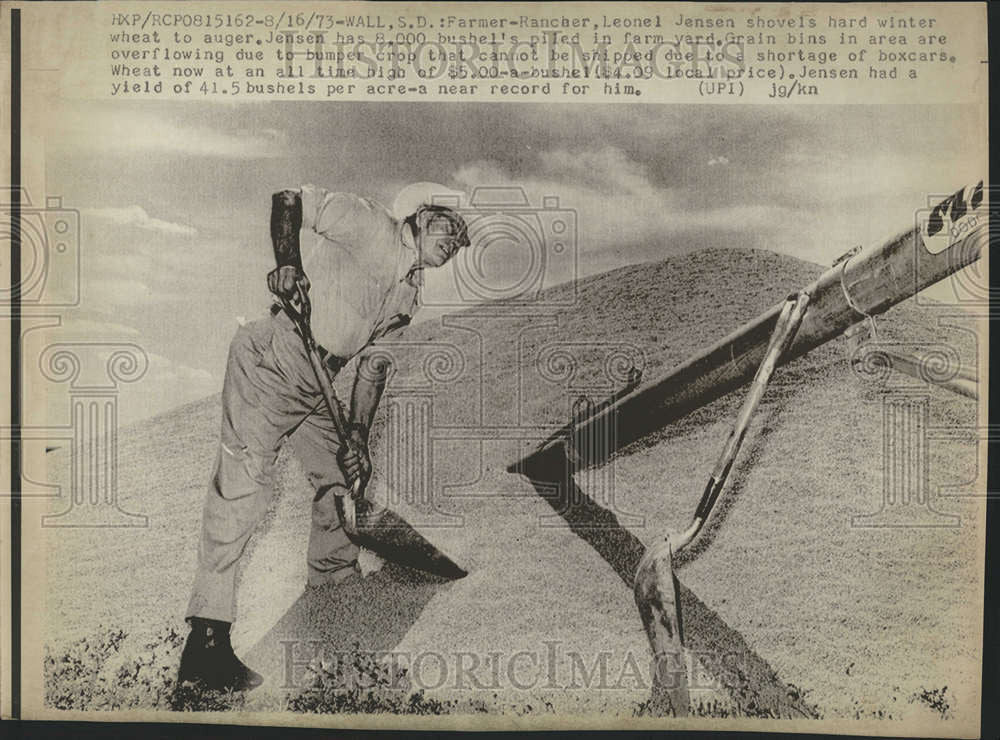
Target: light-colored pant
(269, 392)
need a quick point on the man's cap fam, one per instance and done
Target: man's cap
(411, 197)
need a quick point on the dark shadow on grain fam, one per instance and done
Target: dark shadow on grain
(751, 682)
(367, 615)
(753, 450)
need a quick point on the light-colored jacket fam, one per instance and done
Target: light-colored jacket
(363, 284)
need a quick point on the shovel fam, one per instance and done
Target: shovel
(656, 588)
(383, 531)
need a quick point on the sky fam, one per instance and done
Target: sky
(175, 198)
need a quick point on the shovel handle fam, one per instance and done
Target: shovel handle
(300, 317)
(350, 510)
(784, 332)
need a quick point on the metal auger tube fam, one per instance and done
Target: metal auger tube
(867, 283)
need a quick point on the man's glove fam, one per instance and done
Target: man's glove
(354, 458)
(282, 281)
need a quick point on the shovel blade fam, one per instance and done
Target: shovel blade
(390, 536)
(657, 596)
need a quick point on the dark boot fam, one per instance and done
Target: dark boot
(208, 659)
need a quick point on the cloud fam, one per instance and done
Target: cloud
(605, 170)
(97, 330)
(137, 216)
(88, 127)
(809, 202)
(110, 292)
(620, 210)
(165, 370)
(163, 269)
